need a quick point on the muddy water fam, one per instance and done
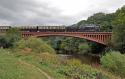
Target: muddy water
(86, 59)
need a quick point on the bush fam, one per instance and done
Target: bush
(4, 42)
(114, 62)
(50, 59)
(35, 44)
(13, 35)
(74, 69)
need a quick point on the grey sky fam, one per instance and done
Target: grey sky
(53, 12)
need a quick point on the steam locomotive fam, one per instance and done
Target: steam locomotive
(89, 28)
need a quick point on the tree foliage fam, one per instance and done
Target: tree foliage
(100, 19)
(74, 46)
(119, 17)
(4, 43)
(74, 69)
(13, 34)
(114, 61)
(10, 38)
(70, 45)
(118, 37)
(84, 48)
(35, 44)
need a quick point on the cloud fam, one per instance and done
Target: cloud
(41, 12)
(23, 12)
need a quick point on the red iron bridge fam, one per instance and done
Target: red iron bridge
(88, 33)
(99, 37)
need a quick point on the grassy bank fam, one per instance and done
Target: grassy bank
(14, 68)
(14, 65)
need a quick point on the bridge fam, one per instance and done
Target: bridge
(89, 33)
(98, 37)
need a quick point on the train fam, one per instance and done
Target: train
(87, 28)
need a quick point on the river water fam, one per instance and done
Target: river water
(93, 60)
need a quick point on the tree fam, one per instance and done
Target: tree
(13, 35)
(8, 40)
(103, 20)
(118, 37)
(83, 22)
(119, 17)
(4, 43)
(70, 45)
(114, 62)
(35, 44)
(84, 48)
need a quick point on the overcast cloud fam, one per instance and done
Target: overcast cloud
(53, 12)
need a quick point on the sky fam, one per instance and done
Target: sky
(53, 12)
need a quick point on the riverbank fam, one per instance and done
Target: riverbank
(46, 66)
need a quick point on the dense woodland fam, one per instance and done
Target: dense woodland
(29, 59)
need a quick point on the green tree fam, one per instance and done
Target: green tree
(114, 62)
(101, 19)
(70, 45)
(104, 21)
(84, 48)
(119, 17)
(4, 42)
(83, 22)
(118, 37)
(13, 35)
(96, 48)
(9, 38)
(35, 44)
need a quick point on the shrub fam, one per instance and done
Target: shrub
(48, 58)
(35, 44)
(114, 62)
(4, 42)
(13, 35)
(74, 69)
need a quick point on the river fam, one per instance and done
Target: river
(93, 60)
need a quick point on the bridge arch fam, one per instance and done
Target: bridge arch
(89, 39)
(98, 37)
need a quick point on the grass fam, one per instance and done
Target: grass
(14, 68)
(31, 66)
(48, 67)
(35, 60)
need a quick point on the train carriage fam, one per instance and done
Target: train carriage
(28, 28)
(4, 28)
(51, 28)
